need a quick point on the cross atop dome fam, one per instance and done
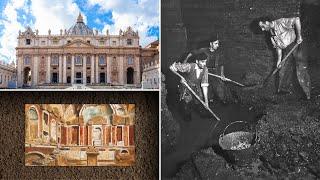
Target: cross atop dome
(80, 18)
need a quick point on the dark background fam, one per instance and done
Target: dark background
(12, 135)
(190, 24)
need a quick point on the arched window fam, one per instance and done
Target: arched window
(33, 115)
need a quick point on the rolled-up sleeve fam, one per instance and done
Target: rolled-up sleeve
(183, 67)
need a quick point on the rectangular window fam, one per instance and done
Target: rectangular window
(43, 42)
(101, 43)
(102, 60)
(55, 60)
(69, 60)
(28, 41)
(88, 61)
(27, 60)
(130, 60)
(114, 43)
(129, 41)
(78, 60)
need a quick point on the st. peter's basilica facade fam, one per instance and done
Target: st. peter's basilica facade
(79, 56)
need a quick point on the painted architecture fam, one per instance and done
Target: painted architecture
(7, 74)
(71, 134)
(78, 56)
(151, 66)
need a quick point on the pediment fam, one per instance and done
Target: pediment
(78, 44)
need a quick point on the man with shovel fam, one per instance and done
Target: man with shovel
(284, 32)
(213, 56)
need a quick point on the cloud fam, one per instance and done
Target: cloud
(11, 26)
(141, 15)
(54, 15)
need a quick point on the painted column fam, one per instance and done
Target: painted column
(92, 69)
(48, 69)
(72, 69)
(97, 68)
(60, 68)
(84, 70)
(64, 68)
(121, 71)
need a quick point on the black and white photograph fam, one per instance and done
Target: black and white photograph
(240, 89)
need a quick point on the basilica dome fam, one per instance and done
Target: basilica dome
(80, 28)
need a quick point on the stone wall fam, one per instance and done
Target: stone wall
(235, 23)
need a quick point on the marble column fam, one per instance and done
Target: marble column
(60, 68)
(48, 69)
(64, 68)
(19, 71)
(92, 69)
(34, 72)
(72, 69)
(138, 74)
(97, 69)
(121, 71)
(84, 70)
(109, 60)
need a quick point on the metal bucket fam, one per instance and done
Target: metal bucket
(238, 145)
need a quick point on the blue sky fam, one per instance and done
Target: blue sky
(141, 15)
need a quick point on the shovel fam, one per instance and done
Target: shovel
(195, 95)
(274, 71)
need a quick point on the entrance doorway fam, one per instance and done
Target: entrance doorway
(27, 76)
(130, 71)
(102, 77)
(68, 79)
(55, 77)
(88, 79)
(78, 77)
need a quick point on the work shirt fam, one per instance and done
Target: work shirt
(283, 33)
(195, 77)
(213, 58)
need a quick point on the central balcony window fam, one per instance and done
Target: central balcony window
(102, 61)
(78, 60)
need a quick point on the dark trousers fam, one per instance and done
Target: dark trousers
(299, 59)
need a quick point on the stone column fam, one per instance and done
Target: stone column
(34, 71)
(60, 68)
(109, 60)
(137, 79)
(122, 75)
(92, 69)
(19, 71)
(84, 70)
(64, 68)
(72, 69)
(48, 69)
(97, 68)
